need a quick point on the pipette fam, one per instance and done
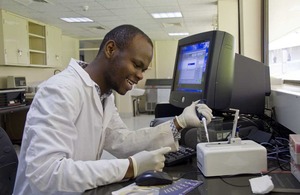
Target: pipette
(203, 119)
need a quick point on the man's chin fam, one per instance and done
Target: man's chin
(121, 92)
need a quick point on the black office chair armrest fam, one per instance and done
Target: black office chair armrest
(8, 163)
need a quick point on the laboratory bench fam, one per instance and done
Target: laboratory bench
(239, 184)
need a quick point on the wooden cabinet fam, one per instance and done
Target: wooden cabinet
(54, 46)
(14, 47)
(24, 42)
(37, 43)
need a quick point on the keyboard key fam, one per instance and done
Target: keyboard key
(183, 154)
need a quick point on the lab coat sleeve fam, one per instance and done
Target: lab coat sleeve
(123, 143)
(48, 160)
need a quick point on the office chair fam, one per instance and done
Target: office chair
(166, 110)
(8, 164)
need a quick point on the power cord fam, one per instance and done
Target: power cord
(278, 150)
(187, 173)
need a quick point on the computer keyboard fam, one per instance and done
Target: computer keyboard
(183, 154)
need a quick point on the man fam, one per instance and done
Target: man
(73, 118)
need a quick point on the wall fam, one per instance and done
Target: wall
(165, 58)
(228, 20)
(247, 30)
(70, 49)
(251, 29)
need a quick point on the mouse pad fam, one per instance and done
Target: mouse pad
(181, 186)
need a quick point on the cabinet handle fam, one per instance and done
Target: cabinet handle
(20, 52)
(57, 57)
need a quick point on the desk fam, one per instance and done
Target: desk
(211, 186)
(13, 120)
(14, 109)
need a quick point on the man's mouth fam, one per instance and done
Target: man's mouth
(131, 82)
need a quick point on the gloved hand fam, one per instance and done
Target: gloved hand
(149, 160)
(189, 118)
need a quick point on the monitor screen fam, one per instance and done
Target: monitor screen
(192, 67)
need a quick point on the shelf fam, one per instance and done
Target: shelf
(37, 58)
(37, 51)
(89, 49)
(37, 44)
(36, 36)
(36, 29)
(28, 65)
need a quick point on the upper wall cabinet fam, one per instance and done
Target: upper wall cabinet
(14, 44)
(24, 42)
(88, 49)
(37, 43)
(54, 46)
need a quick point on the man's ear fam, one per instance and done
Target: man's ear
(110, 48)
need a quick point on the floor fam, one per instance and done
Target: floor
(137, 122)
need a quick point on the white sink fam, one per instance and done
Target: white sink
(137, 92)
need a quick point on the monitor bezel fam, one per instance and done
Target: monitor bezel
(180, 98)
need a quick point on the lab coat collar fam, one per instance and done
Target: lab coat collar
(89, 82)
(82, 73)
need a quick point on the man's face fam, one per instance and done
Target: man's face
(127, 66)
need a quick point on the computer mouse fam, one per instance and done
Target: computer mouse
(152, 178)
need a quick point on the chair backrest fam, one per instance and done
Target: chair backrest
(8, 164)
(166, 110)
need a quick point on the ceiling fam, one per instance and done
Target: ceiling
(198, 15)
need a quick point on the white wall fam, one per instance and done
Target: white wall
(70, 49)
(165, 58)
(33, 75)
(250, 28)
(228, 19)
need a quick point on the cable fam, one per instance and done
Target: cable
(241, 186)
(275, 168)
(249, 120)
(278, 150)
(184, 174)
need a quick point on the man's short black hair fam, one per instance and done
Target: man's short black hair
(123, 35)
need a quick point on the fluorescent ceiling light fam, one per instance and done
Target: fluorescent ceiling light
(77, 19)
(167, 15)
(178, 34)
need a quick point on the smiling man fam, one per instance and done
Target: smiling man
(73, 118)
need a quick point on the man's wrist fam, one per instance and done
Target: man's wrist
(178, 127)
(130, 171)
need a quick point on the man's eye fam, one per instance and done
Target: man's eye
(140, 67)
(137, 66)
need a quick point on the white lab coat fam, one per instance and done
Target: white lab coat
(66, 131)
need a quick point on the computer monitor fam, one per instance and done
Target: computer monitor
(251, 85)
(203, 70)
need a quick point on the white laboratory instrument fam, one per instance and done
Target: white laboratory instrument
(231, 157)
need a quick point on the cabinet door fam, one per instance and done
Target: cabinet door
(53, 43)
(16, 43)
